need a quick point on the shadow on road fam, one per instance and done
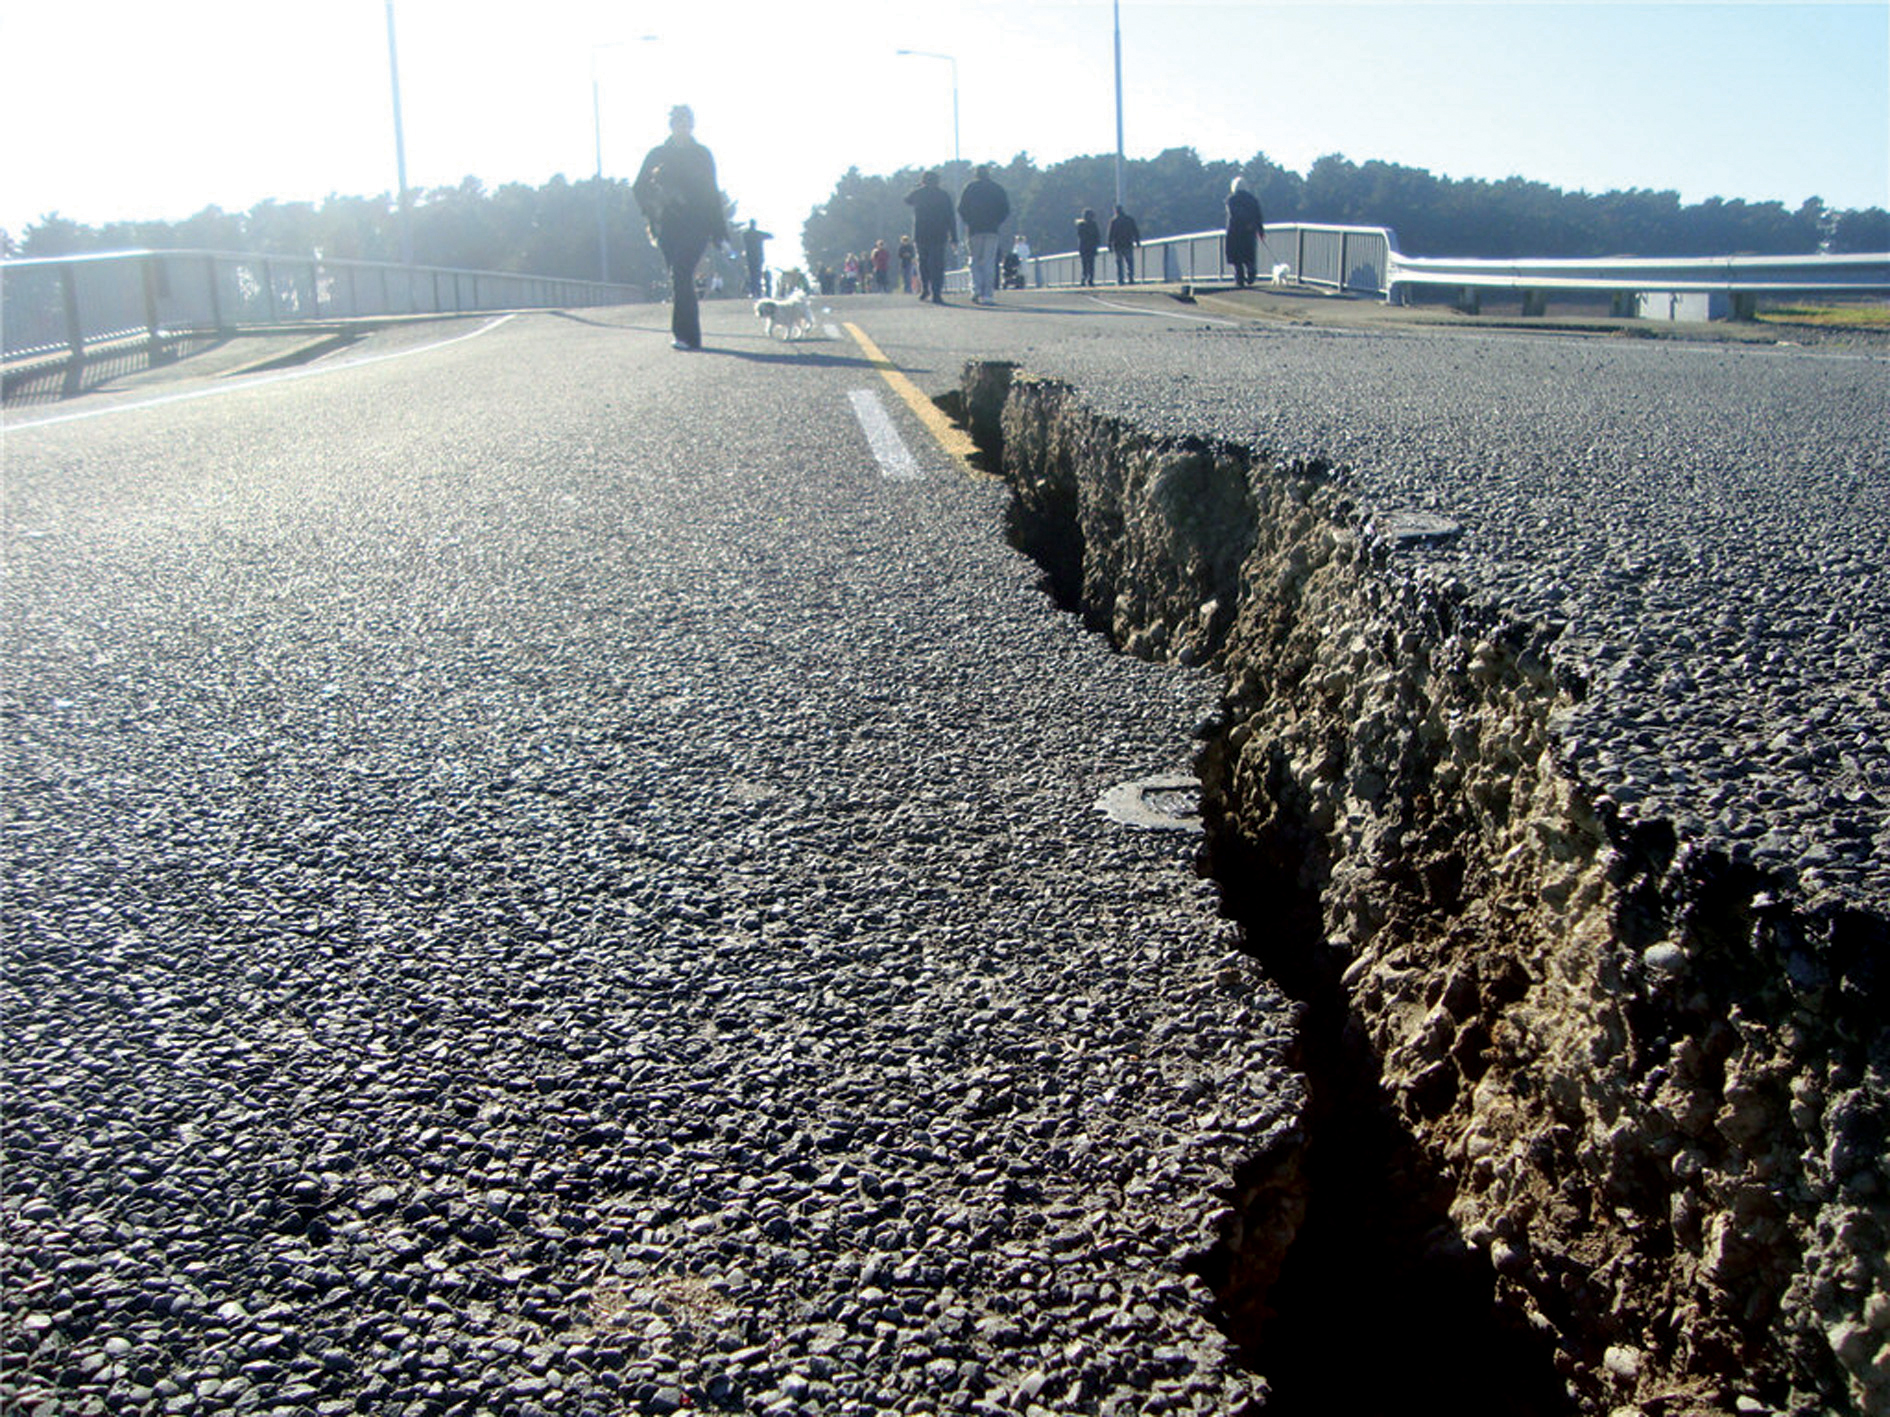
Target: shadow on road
(780, 353)
(817, 361)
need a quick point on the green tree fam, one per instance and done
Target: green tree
(1281, 192)
(1061, 193)
(1862, 230)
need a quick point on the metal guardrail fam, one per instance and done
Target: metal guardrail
(1722, 274)
(64, 305)
(1366, 260)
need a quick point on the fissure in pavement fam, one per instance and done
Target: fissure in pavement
(1592, 1124)
(1339, 1226)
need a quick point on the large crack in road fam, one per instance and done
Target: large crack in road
(1591, 1119)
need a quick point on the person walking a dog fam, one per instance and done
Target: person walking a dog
(1088, 243)
(1124, 237)
(677, 193)
(983, 205)
(933, 226)
(1245, 227)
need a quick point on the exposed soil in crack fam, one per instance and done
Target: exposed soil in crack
(1379, 1303)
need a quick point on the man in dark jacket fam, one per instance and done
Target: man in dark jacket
(1124, 237)
(1088, 239)
(984, 206)
(753, 244)
(677, 193)
(933, 225)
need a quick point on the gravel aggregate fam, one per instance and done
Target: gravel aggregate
(530, 891)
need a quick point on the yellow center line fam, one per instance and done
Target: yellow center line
(953, 439)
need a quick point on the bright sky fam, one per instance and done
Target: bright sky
(142, 109)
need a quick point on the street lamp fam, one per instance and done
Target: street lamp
(400, 145)
(1116, 12)
(949, 59)
(597, 133)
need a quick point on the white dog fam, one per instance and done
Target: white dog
(793, 316)
(1283, 274)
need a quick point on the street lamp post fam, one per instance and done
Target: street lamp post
(597, 134)
(949, 59)
(400, 145)
(1116, 11)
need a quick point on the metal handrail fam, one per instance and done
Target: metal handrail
(66, 303)
(1366, 260)
(1729, 275)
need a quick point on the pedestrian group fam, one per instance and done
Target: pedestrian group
(677, 191)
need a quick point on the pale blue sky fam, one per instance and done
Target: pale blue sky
(157, 108)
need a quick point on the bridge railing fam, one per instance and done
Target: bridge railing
(1352, 259)
(1365, 260)
(66, 304)
(1641, 285)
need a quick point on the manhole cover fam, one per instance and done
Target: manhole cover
(1168, 803)
(1407, 527)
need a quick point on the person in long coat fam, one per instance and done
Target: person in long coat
(1245, 227)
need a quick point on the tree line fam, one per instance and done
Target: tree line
(552, 230)
(1179, 192)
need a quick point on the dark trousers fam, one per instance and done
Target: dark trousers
(1125, 265)
(1088, 259)
(684, 253)
(932, 270)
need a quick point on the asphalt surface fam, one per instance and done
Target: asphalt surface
(549, 874)
(545, 875)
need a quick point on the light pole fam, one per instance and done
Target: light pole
(949, 59)
(1116, 10)
(597, 134)
(400, 145)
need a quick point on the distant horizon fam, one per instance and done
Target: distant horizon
(237, 103)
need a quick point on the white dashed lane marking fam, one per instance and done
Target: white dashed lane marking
(894, 457)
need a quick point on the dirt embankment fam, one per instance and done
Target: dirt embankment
(1627, 1095)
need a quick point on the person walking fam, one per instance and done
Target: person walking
(677, 193)
(1124, 237)
(1088, 242)
(752, 242)
(933, 226)
(983, 205)
(908, 264)
(679, 197)
(1244, 229)
(882, 267)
